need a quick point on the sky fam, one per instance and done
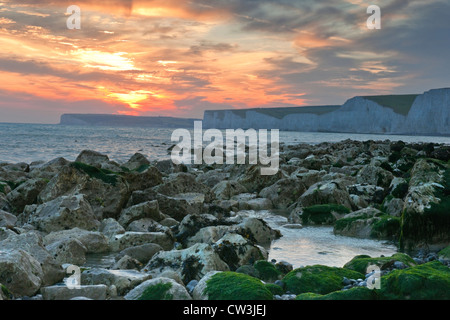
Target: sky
(179, 58)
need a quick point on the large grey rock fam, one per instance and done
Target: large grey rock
(199, 290)
(191, 263)
(68, 251)
(93, 292)
(137, 162)
(106, 193)
(374, 175)
(7, 219)
(327, 192)
(132, 239)
(20, 272)
(123, 280)
(175, 292)
(64, 213)
(284, 192)
(95, 242)
(148, 209)
(224, 190)
(143, 253)
(256, 230)
(236, 251)
(33, 244)
(49, 169)
(25, 194)
(111, 227)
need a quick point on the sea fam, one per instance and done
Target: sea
(306, 246)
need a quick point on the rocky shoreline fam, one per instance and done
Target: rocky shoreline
(176, 231)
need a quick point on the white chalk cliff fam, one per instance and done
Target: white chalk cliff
(425, 114)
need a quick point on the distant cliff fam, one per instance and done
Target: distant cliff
(425, 114)
(125, 121)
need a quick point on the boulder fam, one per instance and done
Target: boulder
(368, 223)
(20, 273)
(224, 190)
(257, 231)
(192, 224)
(429, 281)
(68, 251)
(159, 289)
(236, 251)
(208, 235)
(25, 194)
(212, 177)
(131, 239)
(64, 213)
(183, 183)
(110, 227)
(33, 244)
(231, 286)
(49, 169)
(365, 194)
(374, 175)
(253, 181)
(95, 242)
(123, 280)
(92, 292)
(426, 218)
(191, 263)
(7, 219)
(149, 209)
(138, 162)
(141, 180)
(327, 192)
(143, 253)
(284, 192)
(106, 192)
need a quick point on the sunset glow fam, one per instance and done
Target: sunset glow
(180, 58)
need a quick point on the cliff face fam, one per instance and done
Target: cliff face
(428, 113)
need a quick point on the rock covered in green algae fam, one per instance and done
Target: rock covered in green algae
(429, 281)
(236, 286)
(318, 279)
(361, 262)
(358, 293)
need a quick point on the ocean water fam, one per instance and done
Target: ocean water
(306, 246)
(38, 142)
